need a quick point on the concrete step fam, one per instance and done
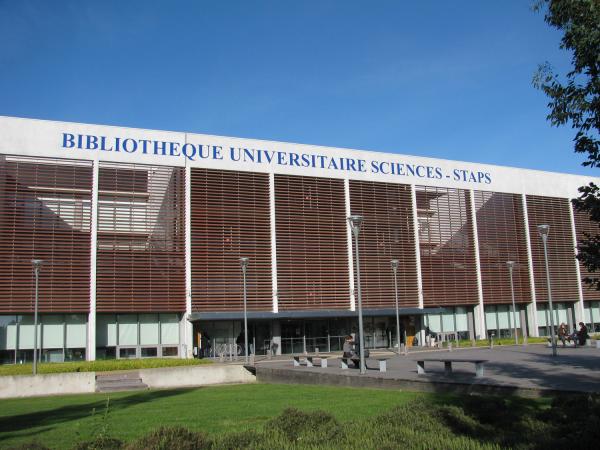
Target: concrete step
(128, 381)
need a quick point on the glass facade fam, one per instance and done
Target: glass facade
(61, 337)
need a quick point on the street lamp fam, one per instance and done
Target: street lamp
(355, 223)
(244, 264)
(394, 263)
(37, 265)
(511, 265)
(544, 230)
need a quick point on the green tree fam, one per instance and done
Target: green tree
(575, 101)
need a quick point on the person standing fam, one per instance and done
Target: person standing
(563, 333)
(582, 334)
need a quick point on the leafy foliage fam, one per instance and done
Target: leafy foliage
(575, 100)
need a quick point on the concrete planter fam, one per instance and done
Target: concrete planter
(47, 384)
(189, 376)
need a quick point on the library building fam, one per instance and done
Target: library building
(133, 243)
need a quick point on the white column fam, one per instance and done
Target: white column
(349, 240)
(532, 308)
(188, 340)
(579, 312)
(413, 196)
(273, 242)
(91, 328)
(480, 329)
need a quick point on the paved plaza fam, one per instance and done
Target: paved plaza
(526, 370)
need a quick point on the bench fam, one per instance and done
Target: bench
(356, 362)
(309, 361)
(479, 363)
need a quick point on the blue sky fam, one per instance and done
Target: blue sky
(431, 78)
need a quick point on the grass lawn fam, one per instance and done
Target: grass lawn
(60, 422)
(99, 365)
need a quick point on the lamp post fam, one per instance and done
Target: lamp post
(244, 265)
(355, 223)
(394, 263)
(37, 265)
(511, 265)
(544, 230)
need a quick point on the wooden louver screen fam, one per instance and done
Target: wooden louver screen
(584, 225)
(502, 237)
(141, 238)
(561, 251)
(387, 233)
(312, 249)
(45, 213)
(230, 219)
(446, 244)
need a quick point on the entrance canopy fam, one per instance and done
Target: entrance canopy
(310, 314)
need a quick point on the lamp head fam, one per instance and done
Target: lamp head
(244, 262)
(37, 263)
(510, 264)
(355, 222)
(543, 230)
(394, 263)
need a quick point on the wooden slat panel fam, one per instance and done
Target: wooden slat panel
(502, 238)
(312, 249)
(584, 225)
(446, 243)
(561, 252)
(45, 213)
(141, 239)
(230, 219)
(387, 233)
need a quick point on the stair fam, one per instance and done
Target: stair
(119, 381)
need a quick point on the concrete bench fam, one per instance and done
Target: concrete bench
(356, 362)
(479, 364)
(309, 361)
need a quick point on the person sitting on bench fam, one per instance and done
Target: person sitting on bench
(348, 348)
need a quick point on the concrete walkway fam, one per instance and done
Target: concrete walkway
(524, 370)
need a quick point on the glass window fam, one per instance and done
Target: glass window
(503, 322)
(595, 310)
(76, 330)
(128, 329)
(490, 318)
(149, 329)
(54, 355)
(169, 351)
(8, 333)
(448, 320)
(53, 332)
(435, 323)
(75, 354)
(26, 333)
(169, 329)
(127, 353)
(149, 352)
(106, 330)
(562, 313)
(462, 320)
(541, 315)
(587, 312)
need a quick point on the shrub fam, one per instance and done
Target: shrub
(100, 443)
(310, 428)
(33, 445)
(168, 438)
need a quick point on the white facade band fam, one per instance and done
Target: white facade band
(532, 308)
(413, 198)
(349, 240)
(579, 306)
(188, 338)
(91, 329)
(273, 225)
(480, 328)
